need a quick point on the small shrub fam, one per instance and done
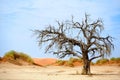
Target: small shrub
(14, 56)
(115, 60)
(70, 63)
(60, 62)
(118, 59)
(26, 57)
(75, 59)
(10, 55)
(102, 61)
(72, 60)
(92, 63)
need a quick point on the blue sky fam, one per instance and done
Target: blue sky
(17, 17)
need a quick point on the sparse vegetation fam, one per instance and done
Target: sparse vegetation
(112, 60)
(102, 61)
(60, 62)
(15, 57)
(72, 60)
(75, 59)
(10, 55)
(69, 62)
(92, 63)
(115, 59)
(26, 57)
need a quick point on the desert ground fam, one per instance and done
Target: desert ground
(10, 71)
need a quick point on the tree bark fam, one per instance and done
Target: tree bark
(86, 65)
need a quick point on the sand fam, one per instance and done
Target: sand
(10, 71)
(44, 61)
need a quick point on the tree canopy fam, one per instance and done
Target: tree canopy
(83, 39)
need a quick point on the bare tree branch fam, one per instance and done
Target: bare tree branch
(96, 57)
(88, 40)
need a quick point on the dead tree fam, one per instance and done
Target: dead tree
(77, 39)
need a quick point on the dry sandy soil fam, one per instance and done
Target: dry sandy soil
(10, 71)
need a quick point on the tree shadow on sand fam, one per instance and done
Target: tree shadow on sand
(98, 74)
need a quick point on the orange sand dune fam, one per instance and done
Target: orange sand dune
(44, 61)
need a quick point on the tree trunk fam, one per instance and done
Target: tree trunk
(86, 65)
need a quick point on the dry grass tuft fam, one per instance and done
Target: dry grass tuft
(17, 58)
